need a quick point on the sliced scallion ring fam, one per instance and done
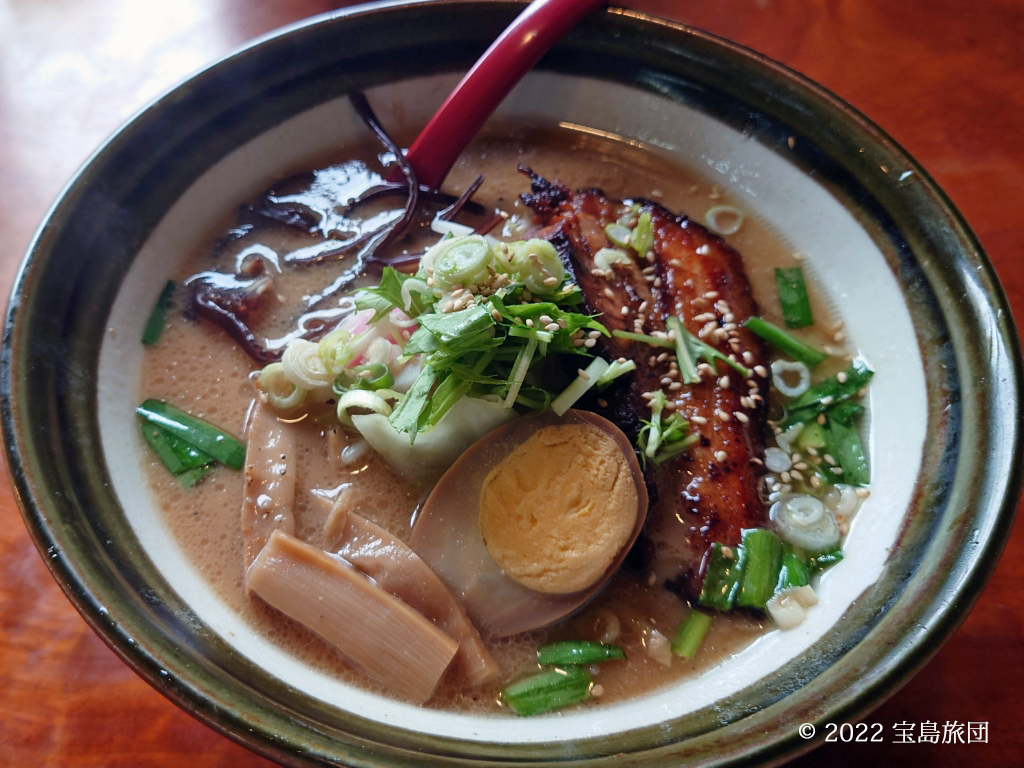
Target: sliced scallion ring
(804, 522)
(783, 372)
(724, 219)
(361, 400)
(606, 257)
(281, 392)
(619, 234)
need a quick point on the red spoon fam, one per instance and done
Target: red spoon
(503, 65)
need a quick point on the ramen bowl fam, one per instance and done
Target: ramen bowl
(919, 300)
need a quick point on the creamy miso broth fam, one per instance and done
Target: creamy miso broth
(200, 369)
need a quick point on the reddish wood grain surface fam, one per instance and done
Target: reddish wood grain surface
(944, 77)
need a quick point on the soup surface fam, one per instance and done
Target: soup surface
(204, 372)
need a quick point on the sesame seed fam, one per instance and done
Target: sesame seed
(802, 465)
(698, 420)
(597, 691)
(545, 319)
(675, 386)
(837, 470)
(721, 455)
(741, 417)
(761, 371)
(647, 270)
(796, 474)
(583, 374)
(711, 295)
(722, 415)
(815, 481)
(821, 419)
(665, 380)
(812, 450)
(839, 335)
(827, 400)
(609, 293)
(862, 493)
(724, 382)
(657, 282)
(553, 327)
(623, 310)
(756, 461)
(828, 459)
(861, 392)
(841, 377)
(727, 553)
(786, 477)
(529, 322)
(590, 343)
(746, 402)
(496, 315)
(650, 257)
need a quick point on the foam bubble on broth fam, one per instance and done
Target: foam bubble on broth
(198, 368)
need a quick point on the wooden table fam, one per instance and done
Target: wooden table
(944, 78)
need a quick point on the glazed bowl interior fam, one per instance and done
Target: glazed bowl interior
(918, 299)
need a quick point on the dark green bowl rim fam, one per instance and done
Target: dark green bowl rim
(964, 505)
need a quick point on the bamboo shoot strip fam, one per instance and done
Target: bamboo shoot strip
(388, 640)
(269, 480)
(396, 568)
(203, 435)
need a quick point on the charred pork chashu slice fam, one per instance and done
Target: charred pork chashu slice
(710, 493)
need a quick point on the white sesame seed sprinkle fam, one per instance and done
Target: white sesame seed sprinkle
(583, 374)
(721, 455)
(722, 415)
(741, 417)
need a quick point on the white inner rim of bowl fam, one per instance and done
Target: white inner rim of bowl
(847, 263)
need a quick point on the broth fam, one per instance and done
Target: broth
(202, 371)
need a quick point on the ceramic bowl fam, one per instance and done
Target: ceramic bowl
(920, 302)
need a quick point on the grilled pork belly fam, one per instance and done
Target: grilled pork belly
(709, 493)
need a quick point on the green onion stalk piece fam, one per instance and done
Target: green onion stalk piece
(572, 652)
(201, 434)
(618, 234)
(722, 577)
(579, 386)
(176, 454)
(826, 394)
(762, 555)
(796, 306)
(842, 442)
(190, 477)
(784, 342)
(613, 371)
(690, 634)
(825, 560)
(548, 690)
(663, 437)
(643, 234)
(158, 318)
(794, 572)
(281, 392)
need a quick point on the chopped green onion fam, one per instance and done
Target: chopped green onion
(272, 380)
(643, 234)
(614, 370)
(548, 690)
(845, 447)
(794, 572)
(157, 319)
(796, 306)
(203, 435)
(687, 368)
(722, 577)
(361, 400)
(571, 652)
(176, 454)
(824, 560)
(579, 386)
(827, 393)
(662, 437)
(525, 332)
(691, 634)
(190, 477)
(618, 234)
(654, 341)
(784, 342)
(606, 257)
(519, 370)
(762, 553)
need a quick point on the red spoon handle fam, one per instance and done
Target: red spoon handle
(503, 65)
